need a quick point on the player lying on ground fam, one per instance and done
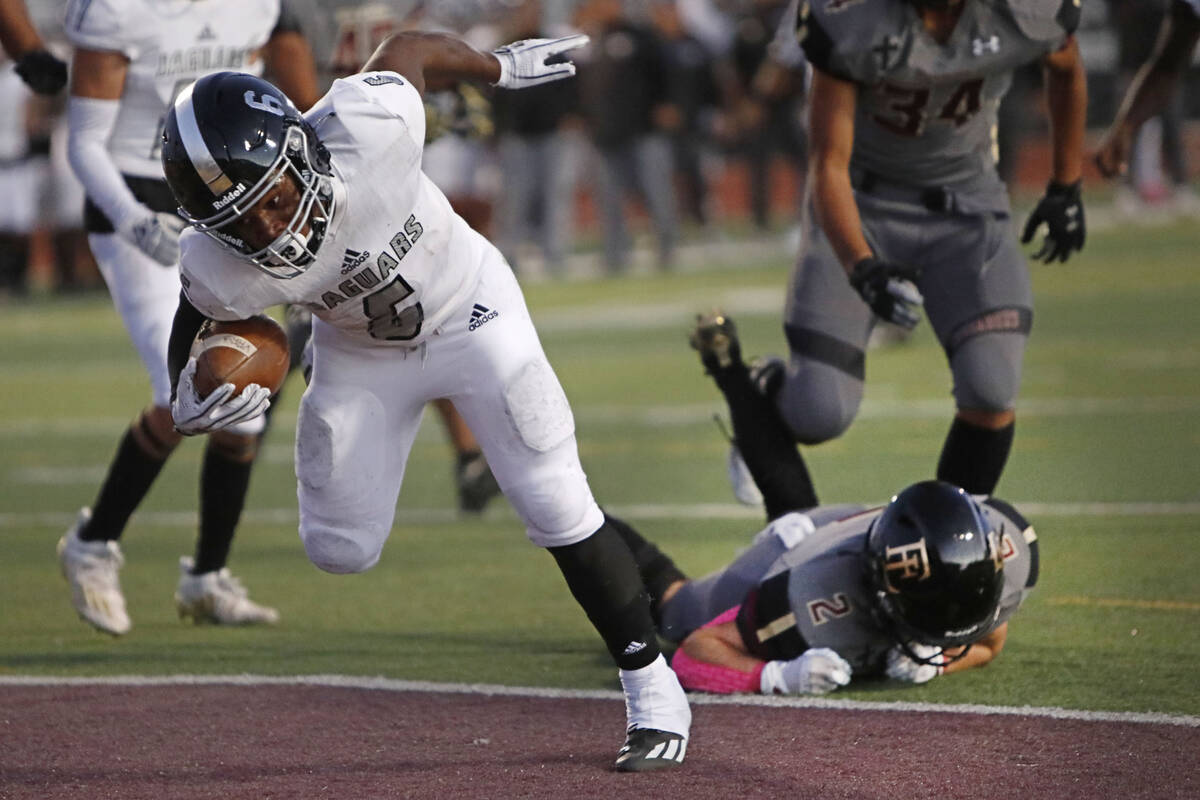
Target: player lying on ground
(920, 587)
(330, 210)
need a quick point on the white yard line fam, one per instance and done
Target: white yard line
(638, 511)
(393, 685)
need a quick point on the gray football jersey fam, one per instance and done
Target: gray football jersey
(926, 112)
(828, 601)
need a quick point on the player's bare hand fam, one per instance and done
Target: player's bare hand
(1112, 156)
(818, 670)
(220, 409)
(890, 290)
(530, 62)
(1061, 211)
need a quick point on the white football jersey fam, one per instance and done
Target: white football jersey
(169, 44)
(396, 260)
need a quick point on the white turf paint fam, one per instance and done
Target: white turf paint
(641, 511)
(392, 685)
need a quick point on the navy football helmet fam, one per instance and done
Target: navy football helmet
(227, 140)
(935, 567)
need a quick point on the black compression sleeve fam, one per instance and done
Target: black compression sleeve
(183, 332)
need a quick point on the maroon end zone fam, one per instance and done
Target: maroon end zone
(285, 741)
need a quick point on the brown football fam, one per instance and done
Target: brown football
(247, 351)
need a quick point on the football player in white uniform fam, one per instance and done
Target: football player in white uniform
(332, 211)
(343, 35)
(132, 58)
(1153, 85)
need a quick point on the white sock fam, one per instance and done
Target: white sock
(654, 699)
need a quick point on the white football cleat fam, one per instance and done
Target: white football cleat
(91, 570)
(219, 598)
(744, 488)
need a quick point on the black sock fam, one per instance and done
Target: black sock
(223, 486)
(973, 457)
(657, 569)
(129, 478)
(766, 444)
(602, 576)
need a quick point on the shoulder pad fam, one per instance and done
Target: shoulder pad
(1043, 20)
(119, 25)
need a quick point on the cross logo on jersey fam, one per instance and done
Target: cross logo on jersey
(888, 52)
(907, 561)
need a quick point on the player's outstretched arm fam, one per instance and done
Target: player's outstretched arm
(1151, 88)
(435, 61)
(1061, 209)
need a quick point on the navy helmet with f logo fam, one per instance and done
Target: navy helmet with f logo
(934, 566)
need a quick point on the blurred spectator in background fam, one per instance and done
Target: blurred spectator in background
(623, 99)
(1157, 173)
(539, 149)
(767, 117)
(692, 77)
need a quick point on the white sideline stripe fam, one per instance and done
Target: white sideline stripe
(639, 511)
(396, 685)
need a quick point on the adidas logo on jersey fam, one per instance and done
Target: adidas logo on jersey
(353, 260)
(206, 33)
(480, 315)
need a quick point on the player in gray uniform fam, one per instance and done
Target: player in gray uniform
(1152, 87)
(905, 208)
(835, 592)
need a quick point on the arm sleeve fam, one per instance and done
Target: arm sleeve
(90, 123)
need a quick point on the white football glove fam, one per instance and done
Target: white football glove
(817, 670)
(217, 411)
(157, 235)
(523, 63)
(901, 666)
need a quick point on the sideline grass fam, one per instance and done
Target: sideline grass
(1108, 409)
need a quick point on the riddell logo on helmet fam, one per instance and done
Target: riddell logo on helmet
(907, 562)
(234, 194)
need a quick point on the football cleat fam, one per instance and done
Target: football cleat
(647, 750)
(476, 483)
(218, 598)
(91, 570)
(715, 337)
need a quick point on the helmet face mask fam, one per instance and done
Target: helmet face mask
(934, 567)
(228, 141)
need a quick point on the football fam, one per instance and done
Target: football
(247, 351)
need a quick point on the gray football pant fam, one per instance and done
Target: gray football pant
(978, 300)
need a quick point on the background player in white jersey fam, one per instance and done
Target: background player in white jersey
(1153, 86)
(37, 66)
(919, 587)
(131, 58)
(905, 208)
(331, 210)
(343, 34)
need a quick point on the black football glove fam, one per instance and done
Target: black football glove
(1061, 209)
(890, 290)
(42, 72)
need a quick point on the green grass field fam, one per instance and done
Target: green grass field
(1106, 465)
